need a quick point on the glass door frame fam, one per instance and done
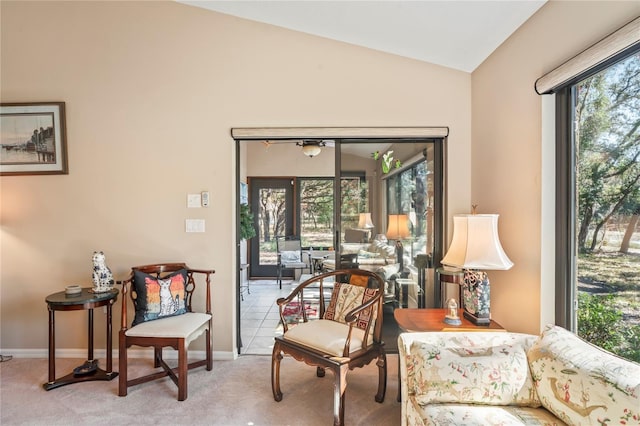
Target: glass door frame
(290, 221)
(340, 135)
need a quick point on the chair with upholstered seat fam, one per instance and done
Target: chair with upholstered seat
(163, 299)
(289, 251)
(346, 335)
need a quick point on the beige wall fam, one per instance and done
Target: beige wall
(152, 90)
(507, 149)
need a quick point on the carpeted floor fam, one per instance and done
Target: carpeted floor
(234, 393)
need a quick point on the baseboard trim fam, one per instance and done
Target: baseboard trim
(101, 353)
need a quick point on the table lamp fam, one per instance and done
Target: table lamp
(476, 247)
(366, 223)
(398, 230)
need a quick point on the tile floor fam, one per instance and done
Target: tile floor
(259, 316)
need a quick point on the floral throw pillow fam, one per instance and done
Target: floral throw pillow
(345, 298)
(159, 297)
(583, 384)
(473, 368)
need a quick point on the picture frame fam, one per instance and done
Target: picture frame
(33, 139)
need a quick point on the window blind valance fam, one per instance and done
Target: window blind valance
(258, 133)
(607, 48)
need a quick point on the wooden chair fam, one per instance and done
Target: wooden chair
(289, 251)
(176, 331)
(346, 335)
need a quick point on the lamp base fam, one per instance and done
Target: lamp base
(475, 319)
(476, 295)
(400, 255)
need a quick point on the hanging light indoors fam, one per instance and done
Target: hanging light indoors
(311, 148)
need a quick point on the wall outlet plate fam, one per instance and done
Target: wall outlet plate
(194, 225)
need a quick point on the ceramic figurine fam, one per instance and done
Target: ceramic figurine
(102, 276)
(452, 317)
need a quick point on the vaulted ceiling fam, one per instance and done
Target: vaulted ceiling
(458, 34)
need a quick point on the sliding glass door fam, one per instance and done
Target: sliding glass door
(401, 192)
(316, 197)
(273, 201)
(340, 200)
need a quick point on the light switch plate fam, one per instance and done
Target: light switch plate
(194, 225)
(194, 200)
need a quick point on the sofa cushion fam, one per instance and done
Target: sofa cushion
(476, 368)
(363, 254)
(581, 383)
(478, 415)
(388, 270)
(384, 249)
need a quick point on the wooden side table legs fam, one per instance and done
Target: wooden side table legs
(89, 371)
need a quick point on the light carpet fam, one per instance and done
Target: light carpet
(233, 393)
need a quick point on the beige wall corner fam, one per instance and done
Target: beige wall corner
(508, 156)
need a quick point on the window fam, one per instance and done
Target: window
(598, 203)
(316, 212)
(410, 192)
(355, 198)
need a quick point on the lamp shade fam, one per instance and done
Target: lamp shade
(476, 244)
(398, 227)
(365, 221)
(311, 150)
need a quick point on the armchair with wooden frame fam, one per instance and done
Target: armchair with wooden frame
(346, 335)
(176, 324)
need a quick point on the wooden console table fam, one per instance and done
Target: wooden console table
(89, 370)
(414, 320)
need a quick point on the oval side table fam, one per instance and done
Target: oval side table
(86, 300)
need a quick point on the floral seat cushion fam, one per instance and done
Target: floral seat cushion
(480, 415)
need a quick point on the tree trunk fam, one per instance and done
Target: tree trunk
(584, 230)
(596, 231)
(633, 222)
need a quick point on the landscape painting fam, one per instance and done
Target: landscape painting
(32, 138)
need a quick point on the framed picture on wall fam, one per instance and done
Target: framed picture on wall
(33, 138)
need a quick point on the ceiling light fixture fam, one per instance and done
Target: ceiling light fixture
(311, 148)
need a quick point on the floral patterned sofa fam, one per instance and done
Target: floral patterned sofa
(492, 378)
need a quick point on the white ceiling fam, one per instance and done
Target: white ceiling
(454, 33)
